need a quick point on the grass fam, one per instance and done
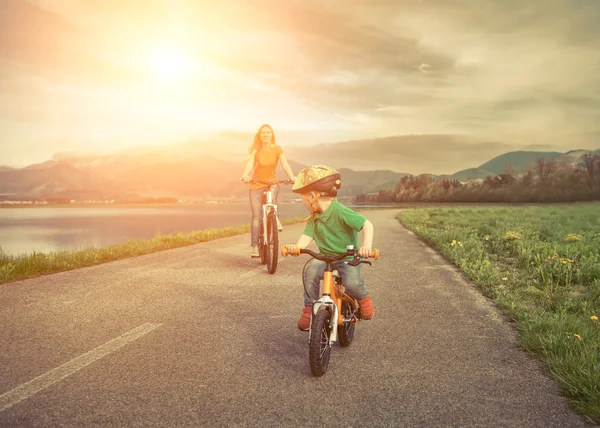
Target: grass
(541, 265)
(18, 267)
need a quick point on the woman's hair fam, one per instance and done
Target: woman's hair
(257, 143)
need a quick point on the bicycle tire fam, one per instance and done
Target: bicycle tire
(272, 246)
(346, 330)
(319, 349)
(262, 248)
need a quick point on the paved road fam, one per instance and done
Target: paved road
(203, 336)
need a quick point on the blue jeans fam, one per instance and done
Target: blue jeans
(256, 198)
(351, 277)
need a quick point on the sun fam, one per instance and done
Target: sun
(167, 63)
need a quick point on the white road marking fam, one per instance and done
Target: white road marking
(26, 390)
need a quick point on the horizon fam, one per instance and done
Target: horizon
(99, 77)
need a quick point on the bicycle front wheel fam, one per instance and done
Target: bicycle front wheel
(319, 347)
(262, 248)
(272, 243)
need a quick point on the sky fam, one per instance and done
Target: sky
(103, 75)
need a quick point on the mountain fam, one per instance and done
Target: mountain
(520, 160)
(413, 154)
(195, 171)
(471, 174)
(53, 180)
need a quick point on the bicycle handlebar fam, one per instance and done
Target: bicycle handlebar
(354, 253)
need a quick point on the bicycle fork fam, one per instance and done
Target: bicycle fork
(268, 207)
(329, 304)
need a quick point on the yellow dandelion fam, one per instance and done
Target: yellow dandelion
(594, 318)
(512, 235)
(572, 237)
(564, 262)
(578, 337)
(505, 279)
(487, 238)
(531, 263)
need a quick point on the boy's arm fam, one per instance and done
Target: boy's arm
(367, 239)
(303, 242)
(245, 177)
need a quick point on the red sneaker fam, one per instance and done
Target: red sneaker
(304, 321)
(367, 311)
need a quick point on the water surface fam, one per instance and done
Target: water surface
(44, 229)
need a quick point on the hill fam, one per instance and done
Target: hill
(197, 174)
(520, 160)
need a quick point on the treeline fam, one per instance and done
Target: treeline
(547, 180)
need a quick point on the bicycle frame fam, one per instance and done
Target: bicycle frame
(332, 296)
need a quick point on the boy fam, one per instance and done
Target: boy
(332, 226)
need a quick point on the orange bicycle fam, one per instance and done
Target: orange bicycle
(335, 314)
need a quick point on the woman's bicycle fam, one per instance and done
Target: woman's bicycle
(335, 314)
(268, 238)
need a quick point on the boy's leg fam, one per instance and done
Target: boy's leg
(311, 278)
(356, 288)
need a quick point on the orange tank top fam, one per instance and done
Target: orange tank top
(264, 167)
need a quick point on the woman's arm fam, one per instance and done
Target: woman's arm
(286, 167)
(245, 175)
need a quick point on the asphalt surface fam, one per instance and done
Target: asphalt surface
(203, 336)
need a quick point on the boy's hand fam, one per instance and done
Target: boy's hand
(292, 249)
(364, 252)
(246, 179)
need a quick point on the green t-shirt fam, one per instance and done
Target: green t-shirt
(335, 229)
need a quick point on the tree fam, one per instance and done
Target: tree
(544, 167)
(590, 164)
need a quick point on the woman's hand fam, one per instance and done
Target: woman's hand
(246, 179)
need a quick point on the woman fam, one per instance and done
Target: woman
(263, 158)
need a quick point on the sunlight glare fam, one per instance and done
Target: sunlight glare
(167, 63)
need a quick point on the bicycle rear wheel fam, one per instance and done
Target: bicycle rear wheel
(346, 331)
(272, 243)
(319, 349)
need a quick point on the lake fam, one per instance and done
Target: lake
(44, 229)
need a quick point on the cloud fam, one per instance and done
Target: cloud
(521, 72)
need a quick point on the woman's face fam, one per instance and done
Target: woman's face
(266, 135)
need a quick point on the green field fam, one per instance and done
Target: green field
(541, 265)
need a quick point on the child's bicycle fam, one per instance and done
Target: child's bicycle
(268, 238)
(335, 314)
